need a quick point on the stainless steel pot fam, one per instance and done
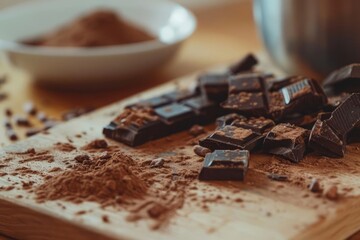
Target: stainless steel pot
(311, 37)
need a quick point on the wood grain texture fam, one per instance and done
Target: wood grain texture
(268, 210)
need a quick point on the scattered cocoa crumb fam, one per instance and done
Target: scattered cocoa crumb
(55, 169)
(32, 131)
(97, 144)
(8, 112)
(105, 218)
(196, 130)
(157, 210)
(82, 158)
(314, 186)
(201, 151)
(332, 193)
(11, 134)
(157, 162)
(22, 121)
(277, 177)
(81, 212)
(29, 108)
(65, 147)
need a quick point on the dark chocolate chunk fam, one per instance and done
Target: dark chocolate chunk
(177, 116)
(228, 119)
(179, 95)
(287, 141)
(301, 120)
(205, 109)
(277, 84)
(335, 101)
(344, 79)
(29, 108)
(232, 137)
(225, 165)
(250, 82)
(247, 103)
(136, 126)
(304, 96)
(245, 64)
(324, 141)
(328, 136)
(151, 102)
(214, 86)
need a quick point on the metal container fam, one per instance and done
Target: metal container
(311, 37)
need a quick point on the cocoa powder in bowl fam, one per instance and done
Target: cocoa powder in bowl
(98, 28)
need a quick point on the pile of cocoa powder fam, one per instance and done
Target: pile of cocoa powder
(98, 28)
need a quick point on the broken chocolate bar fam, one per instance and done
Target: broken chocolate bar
(225, 165)
(245, 64)
(287, 141)
(259, 125)
(205, 109)
(214, 86)
(151, 102)
(136, 126)
(232, 137)
(328, 136)
(345, 79)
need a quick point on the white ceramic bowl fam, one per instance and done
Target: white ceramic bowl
(169, 22)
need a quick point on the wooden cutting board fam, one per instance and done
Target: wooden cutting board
(267, 210)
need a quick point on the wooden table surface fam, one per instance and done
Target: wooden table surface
(225, 33)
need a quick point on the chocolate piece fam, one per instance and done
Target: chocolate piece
(179, 95)
(247, 103)
(335, 101)
(205, 109)
(245, 64)
(305, 121)
(29, 108)
(304, 96)
(214, 86)
(277, 177)
(225, 165)
(287, 141)
(277, 84)
(151, 102)
(228, 119)
(344, 79)
(259, 125)
(177, 116)
(201, 151)
(328, 136)
(136, 126)
(250, 82)
(231, 137)
(324, 141)
(22, 121)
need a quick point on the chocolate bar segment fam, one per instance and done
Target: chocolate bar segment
(250, 82)
(205, 109)
(230, 138)
(225, 165)
(177, 116)
(214, 86)
(329, 134)
(259, 125)
(345, 79)
(287, 141)
(151, 102)
(247, 103)
(243, 65)
(136, 126)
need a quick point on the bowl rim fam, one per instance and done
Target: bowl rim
(124, 49)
